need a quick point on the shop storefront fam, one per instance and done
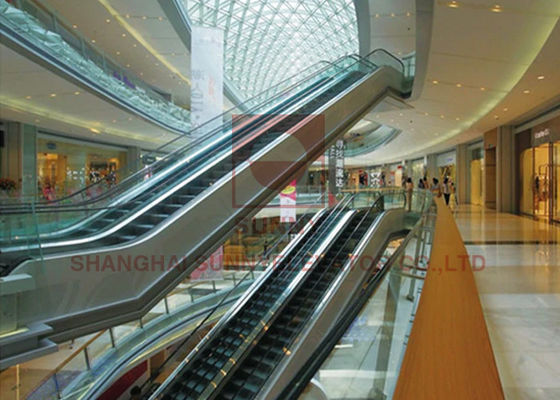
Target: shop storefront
(66, 165)
(395, 175)
(418, 170)
(538, 152)
(447, 165)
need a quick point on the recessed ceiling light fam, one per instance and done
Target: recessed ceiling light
(527, 91)
(28, 97)
(144, 17)
(134, 45)
(92, 40)
(483, 89)
(94, 130)
(457, 119)
(376, 15)
(497, 8)
(141, 74)
(408, 14)
(426, 114)
(505, 108)
(392, 14)
(435, 82)
(453, 4)
(459, 85)
(76, 93)
(75, 26)
(123, 35)
(540, 77)
(118, 53)
(127, 65)
(442, 116)
(496, 117)
(401, 114)
(52, 95)
(160, 18)
(107, 20)
(127, 15)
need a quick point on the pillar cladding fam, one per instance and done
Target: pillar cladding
(431, 167)
(505, 167)
(463, 174)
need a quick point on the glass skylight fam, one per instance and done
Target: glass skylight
(267, 41)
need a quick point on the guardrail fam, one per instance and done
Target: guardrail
(64, 47)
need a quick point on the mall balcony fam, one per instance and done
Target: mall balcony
(279, 200)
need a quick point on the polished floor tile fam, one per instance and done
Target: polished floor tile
(519, 287)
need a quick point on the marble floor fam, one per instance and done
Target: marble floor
(519, 285)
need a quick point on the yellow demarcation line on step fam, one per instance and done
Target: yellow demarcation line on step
(449, 355)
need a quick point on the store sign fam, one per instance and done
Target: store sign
(542, 134)
(51, 145)
(207, 73)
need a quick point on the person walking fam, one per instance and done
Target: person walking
(446, 191)
(421, 184)
(436, 187)
(409, 187)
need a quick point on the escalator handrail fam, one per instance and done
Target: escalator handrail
(373, 206)
(226, 295)
(194, 170)
(358, 59)
(198, 140)
(225, 320)
(308, 370)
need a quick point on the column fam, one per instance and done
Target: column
(431, 167)
(505, 167)
(462, 186)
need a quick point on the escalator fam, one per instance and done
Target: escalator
(238, 359)
(180, 208)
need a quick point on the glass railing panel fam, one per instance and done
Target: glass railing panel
(98, 347)
(53, 36)
(121, 332)
(365, 363)
(157, 311)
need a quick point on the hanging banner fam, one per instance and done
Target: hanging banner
(207, 77)
(336, 167)
(288, 198)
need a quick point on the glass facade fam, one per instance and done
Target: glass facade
(268, 41)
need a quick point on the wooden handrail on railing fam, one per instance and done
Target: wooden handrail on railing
(449, 355)
(67, 360)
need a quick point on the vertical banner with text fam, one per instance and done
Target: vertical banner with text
(288, 200)
(207, 77)
(336, 167)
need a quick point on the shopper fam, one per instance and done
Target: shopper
(446, 191)
(409, 187)
(421, 184)
(436, 187)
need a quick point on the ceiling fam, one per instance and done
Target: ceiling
(32, 94)
(481, 63)
(137, 36)
(483, 68)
